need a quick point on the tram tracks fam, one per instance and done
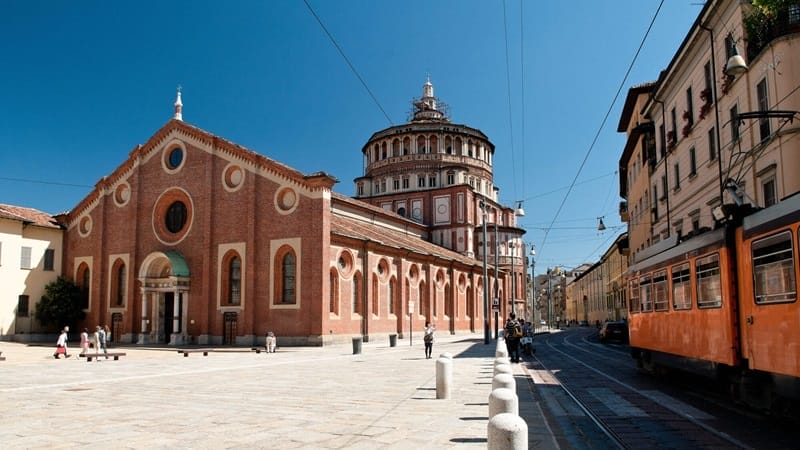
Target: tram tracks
(629, 416)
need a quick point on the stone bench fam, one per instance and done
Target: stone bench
(90, 356)
(186, 352)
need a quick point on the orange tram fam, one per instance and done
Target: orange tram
(724, 304)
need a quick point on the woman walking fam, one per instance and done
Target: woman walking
(429, 329)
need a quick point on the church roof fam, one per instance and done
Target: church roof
(312, 181)
(27, 216)
(365, 231)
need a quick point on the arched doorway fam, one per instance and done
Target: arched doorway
(164, 278)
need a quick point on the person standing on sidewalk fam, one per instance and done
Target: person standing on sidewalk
(428, 338)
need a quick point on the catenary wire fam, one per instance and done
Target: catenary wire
(347, 60)
(605, 119)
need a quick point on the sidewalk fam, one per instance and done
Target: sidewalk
(299, 397)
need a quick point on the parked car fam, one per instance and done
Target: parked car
(614, 331)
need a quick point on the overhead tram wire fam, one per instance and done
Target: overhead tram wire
(567, 187)
(605, 119)
(350, 64)
(522, 89)
(53, 183)
(510, 120)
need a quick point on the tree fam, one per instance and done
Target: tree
(61, 304)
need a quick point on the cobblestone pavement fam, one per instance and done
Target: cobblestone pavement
(310, 398)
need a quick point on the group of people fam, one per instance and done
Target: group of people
(98, 340)
(513, 331)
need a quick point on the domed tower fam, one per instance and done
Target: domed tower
(437, 173)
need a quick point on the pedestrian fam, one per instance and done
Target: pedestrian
(61, 344)
(428, 338)
(271, 342)
(96, 342)
(512, 332)
(102, 337)
(84, 342)
(108, 333)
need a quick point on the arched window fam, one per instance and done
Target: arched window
(334, 295)
(235, 281)
(355, 293)
(421, 147)
(84, 277)
(391, 302)
(285, 276)
(288, 269)
(119, 283)
(376, 297)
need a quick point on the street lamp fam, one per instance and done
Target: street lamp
(533, 283)
(512, 303)
(485, 282)
(519, 212)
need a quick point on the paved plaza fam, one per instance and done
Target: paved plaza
(315, 398)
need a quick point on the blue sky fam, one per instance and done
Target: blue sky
(82, 83)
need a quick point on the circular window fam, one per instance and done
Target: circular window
(85, 226)
(176, 217)
(172, 216)
(175, 158)
(413, 272)
(122, 194)
(286, 200)
(345, 262)
(232, 178)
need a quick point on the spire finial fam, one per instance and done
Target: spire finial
(178, 106)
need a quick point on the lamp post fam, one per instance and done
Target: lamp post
(519, 212)
(549, 297)
(496, 283)
(485, 280)
(511, 302)
(533, 283)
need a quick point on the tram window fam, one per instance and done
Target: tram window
(633, 304)
(681, 287)
(709, 293)
(660, 300)
(646, 294)
(773, 269)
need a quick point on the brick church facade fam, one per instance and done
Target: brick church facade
(194, 239)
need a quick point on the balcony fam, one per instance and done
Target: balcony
(763, 29)
(623, 212)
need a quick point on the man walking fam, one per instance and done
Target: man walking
(512, 334)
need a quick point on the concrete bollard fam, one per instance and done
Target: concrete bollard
(503, 400)
(507, 431)
(447, 355)
(502, 350)
(502, 368)
(444, 377)
(502, 360)
(504, 380)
